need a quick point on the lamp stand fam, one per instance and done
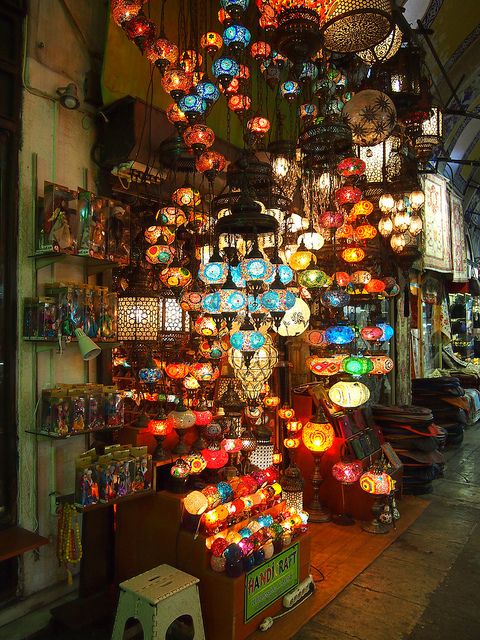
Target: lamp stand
(317, 512)
(181, 448)
(160, 453)
(374, 525)
(343, 519)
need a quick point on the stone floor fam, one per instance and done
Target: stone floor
(425, 586)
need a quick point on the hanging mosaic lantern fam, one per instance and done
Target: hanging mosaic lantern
(349, 394)
(204, 371)
(176, 82)
(254, 269)
(175, 276)
(225, 69)
(215, 272)
(239, 103)
(351, 167)
(357, 365)
(260, 51)
(308, 111)
(314, 337)
(210, 163)
(206, 326)
(348, 195)
(353, 254)
(331, 219)
(295, 321)
(371, 334)
(258, 127)
(159, 254)
(335, 298)
(387, 331)
(176, 370)
(186, 197)
(291, 443)
(125, 10)
(140, 29)
(176, 117)
(382, 365)
(301, 258)
(312, 278)
(211, 42)
(247, 340)
(290, 90)
(236, 37)
(208, 91)
(339, 334)
(199, 137)
(325, 365)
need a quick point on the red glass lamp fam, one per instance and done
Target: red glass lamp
(239, 103)
(211, 42)
(210, 163)
(318, 436)
(176, 82)
(160, 428)
(125, 10)
(199, 137)
(346, 472)
(140, 29)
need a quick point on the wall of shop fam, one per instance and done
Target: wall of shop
(56, 145)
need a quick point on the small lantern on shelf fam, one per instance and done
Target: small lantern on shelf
(378, 483)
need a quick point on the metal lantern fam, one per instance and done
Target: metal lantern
(353, 25)
(384, 50)
(431, 134)
(371, 115)
(138, 311)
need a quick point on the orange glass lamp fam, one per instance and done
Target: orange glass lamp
(286, 412)
(380, 484)
(318, 436)
(160, 428)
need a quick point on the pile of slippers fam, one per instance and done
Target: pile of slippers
(417, 441)
(445, 397)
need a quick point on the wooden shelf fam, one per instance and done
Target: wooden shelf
(15, 541)
(71, 435)
(127, 498)
(93, 265)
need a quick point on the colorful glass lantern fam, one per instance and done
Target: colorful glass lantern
(150, 374)
(301, 258)
(190, 384)
(339, 334)
(159, 254)
(348, 195)
(258, 125)
(357, 365)
(308, 111)
(236, 37)
(331, 219)
(307, 71)
(351, 166)
(247, 340)
(164, 53)
(361, 277)
(210, 163)
(232, 88)
(203, 416)
(347, 471)
(325, 365)
(260, 50)
(375, 286)
(294, 426)
(215, 272)
(286, 412)
(365, 232)
(362, 208)
(171, 216)
(271, 401)
(186, 197)
(371, 334)
(152, 234)
(125, 10)
(291, 443)
(349, 394)
(344, 232)
(295, 321)
(278, 300)
(318, 434)
(181, 419)
(371, 116)
(140, 29)
(208, 91)
(176, 116)
(176, 82)
(239, 103)
(199, 137)
(176, 370)
(398, 242)
(190, 61)
(312, 240)
(180, 469)
(387, 331)
(225, 69)
(314, 337)
(353, 254)
(211, 42)
(254, 269)
(312, 278)
(204, 371)
(290, 90)
(175, 276)
(206, 326)
(211, 349)
(382, 365)
(335, 298)
(385, 226)
(235, 7)
(377, 482)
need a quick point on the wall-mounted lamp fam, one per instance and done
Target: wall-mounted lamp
(69, 96)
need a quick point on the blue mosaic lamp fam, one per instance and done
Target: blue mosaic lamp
(307, 71)
(215, 272)
(235, 7)
(247, 339)
(387, 331)
(232, 300)
(211, 302)
(193, 106)
(236, 37)
(339, 334)
(225, 69)
(208, 91)
(290, 90)
(335, 298)
(255, 270)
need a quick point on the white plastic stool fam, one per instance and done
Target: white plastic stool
(156, 598)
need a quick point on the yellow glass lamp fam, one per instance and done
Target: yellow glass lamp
(349, 394)
(302, 258)
(318, 436)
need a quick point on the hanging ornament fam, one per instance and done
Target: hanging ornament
(371, 115)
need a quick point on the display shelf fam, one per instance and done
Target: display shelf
(52, 436)
(15, 541)
(127, 498)
(93, 265)
(47, 345)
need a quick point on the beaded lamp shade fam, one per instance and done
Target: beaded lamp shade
(262, 457)
(353, 25)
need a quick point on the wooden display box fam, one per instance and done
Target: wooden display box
(222, 597)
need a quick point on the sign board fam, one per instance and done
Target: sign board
(271, 580)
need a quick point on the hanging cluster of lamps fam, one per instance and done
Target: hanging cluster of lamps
(303, 233)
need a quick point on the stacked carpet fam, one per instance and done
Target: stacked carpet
(417, 440)
(445, 397)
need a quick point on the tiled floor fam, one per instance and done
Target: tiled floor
(426, 586)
